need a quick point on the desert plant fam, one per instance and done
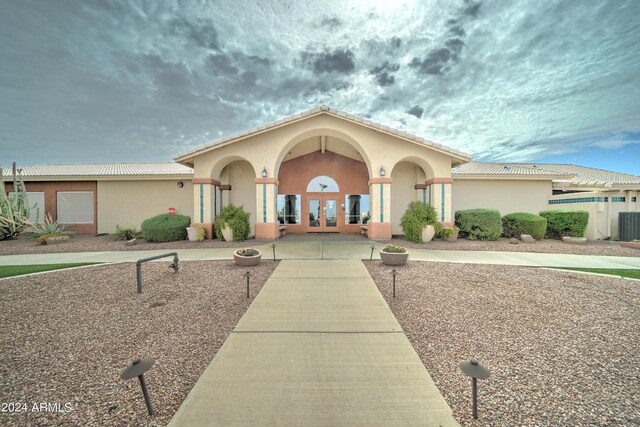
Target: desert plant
(479, 224)
(394, 249)
(48, 228)
(415, 218)
(14, 209)
(165, 228)
(201, 234)
(564, 222)
(515, 224)
(247, 252)
(237, 219)
(126, 233)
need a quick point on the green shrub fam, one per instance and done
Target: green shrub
(236, 218)
(126, 233)
(415, 218)
(394, 249)
(563, 222)
(479, 224)
(518, 223)
(165, 228)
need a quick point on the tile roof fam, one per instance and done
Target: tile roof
(580, 175)
(102, 169)
(334, 112)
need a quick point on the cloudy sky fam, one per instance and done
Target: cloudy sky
(102, 80)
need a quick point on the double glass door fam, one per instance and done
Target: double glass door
(323, 214)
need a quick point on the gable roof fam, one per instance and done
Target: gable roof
(574, 175)
(315, 112)
(101, 170)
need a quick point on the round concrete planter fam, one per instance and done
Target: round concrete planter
(247, 261)
(391, 258)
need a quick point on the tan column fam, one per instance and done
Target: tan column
(203, 197)
(266, 215)
(379, 225)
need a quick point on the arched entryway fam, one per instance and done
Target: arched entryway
(323, 187)
(405, 176)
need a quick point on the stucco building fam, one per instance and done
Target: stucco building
(323, 170)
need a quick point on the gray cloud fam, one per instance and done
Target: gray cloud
(339, 61)
(331, 23)
(383, 73)
(199, 31)
(416, 111)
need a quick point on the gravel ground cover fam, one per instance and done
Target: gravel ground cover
(592, 247)
(83, 243)
(108, 243)
(562, 347)
(67, 336)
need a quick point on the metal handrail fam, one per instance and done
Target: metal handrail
(174, 265)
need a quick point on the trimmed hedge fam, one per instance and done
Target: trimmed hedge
(565, 222)
(165, 228)
(479, 224)
(518, 223)
(416, 217)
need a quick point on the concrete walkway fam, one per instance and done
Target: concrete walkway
(353, 247)
(318, 346)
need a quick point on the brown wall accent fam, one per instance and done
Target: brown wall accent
(50, 190)
(351, 176)
(439, 181)
(205, 181)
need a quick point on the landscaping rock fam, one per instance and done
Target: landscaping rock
(513, 241)
(526, 238)
(575, 240)
(131, 242)
(56, 240)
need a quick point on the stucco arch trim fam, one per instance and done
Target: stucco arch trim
(320, 132)
(420, 162)
(220, 164)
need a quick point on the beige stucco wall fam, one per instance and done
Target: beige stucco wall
(128, 203)
(270, 148)
(507, 196)
(405, 176)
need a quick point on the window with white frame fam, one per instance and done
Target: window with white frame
(75, 207)
(35, 201)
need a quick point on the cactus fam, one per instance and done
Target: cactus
(14, 209)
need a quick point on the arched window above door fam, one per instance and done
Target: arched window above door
(323, 184)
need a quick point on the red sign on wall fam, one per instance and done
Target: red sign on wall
(172, 210)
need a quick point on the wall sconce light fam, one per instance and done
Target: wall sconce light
(382, 171)
(264, 172)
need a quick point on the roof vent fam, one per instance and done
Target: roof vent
(507, 168)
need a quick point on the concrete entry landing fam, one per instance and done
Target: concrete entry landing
(318, 346)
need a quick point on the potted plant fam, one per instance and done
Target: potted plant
(232, 224)
(394, 255)
(450, 234)
(419, 222)
(247, 257)
(192, 233)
